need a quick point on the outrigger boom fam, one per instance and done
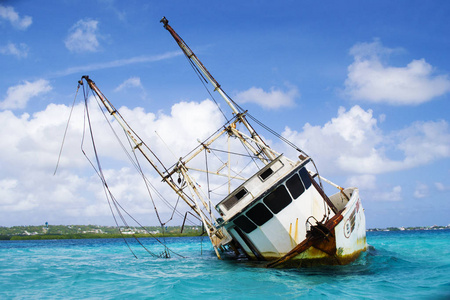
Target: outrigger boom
(207, 220)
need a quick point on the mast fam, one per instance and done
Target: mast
(241, 116)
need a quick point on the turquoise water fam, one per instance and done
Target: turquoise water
(398, 265)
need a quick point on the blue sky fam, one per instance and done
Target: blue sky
(361, 86)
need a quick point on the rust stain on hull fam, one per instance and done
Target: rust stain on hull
(316, 257)
(317, 250)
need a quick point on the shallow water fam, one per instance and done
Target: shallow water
(398, 265)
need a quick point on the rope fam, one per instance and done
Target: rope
(65, 131)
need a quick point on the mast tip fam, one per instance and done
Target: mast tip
(164, 21)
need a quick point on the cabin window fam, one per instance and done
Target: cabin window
(244, 224)
(235, 199)
(295, 186)
(241, 194)
(264, 175)
(259, 214)
(278, 199)
(305, 177)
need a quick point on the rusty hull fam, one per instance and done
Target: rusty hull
(320, 249)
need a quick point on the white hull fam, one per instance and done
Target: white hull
(294, 225)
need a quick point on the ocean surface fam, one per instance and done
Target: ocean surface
(398, 265)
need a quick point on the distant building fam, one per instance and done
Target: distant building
(127, 231)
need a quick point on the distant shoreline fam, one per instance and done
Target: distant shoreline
(58, 232)
(51, 232)
(86, 236)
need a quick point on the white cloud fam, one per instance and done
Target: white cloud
(366, 181)
(8, 13)
(30, 145)
(420, 143)
(268, 100)
(26, 138)
(20, 51)
(352, 133)
(119, 63)
(180, 130)
(18, 96)
(83, 36)
(353, 144)
(394, 195)
(421, 191)
(29, 148)
(372, 80)
(423, 142)
(350, 144)
(373, 190)
(129, 83)
(441, 187)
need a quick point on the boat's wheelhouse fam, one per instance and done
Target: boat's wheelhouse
(267, 214)
(257, 185)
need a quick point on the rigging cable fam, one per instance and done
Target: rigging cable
(145, 181)
(67, 127)
(241, 110)
(207, 178)
(276, 134)
(86, 114)
(235, 173)
(200, 76)
(200, 144)
(111, 197)
(135, 163)
(251, 156)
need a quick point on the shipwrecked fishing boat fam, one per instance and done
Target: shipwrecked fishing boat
(275, 208)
